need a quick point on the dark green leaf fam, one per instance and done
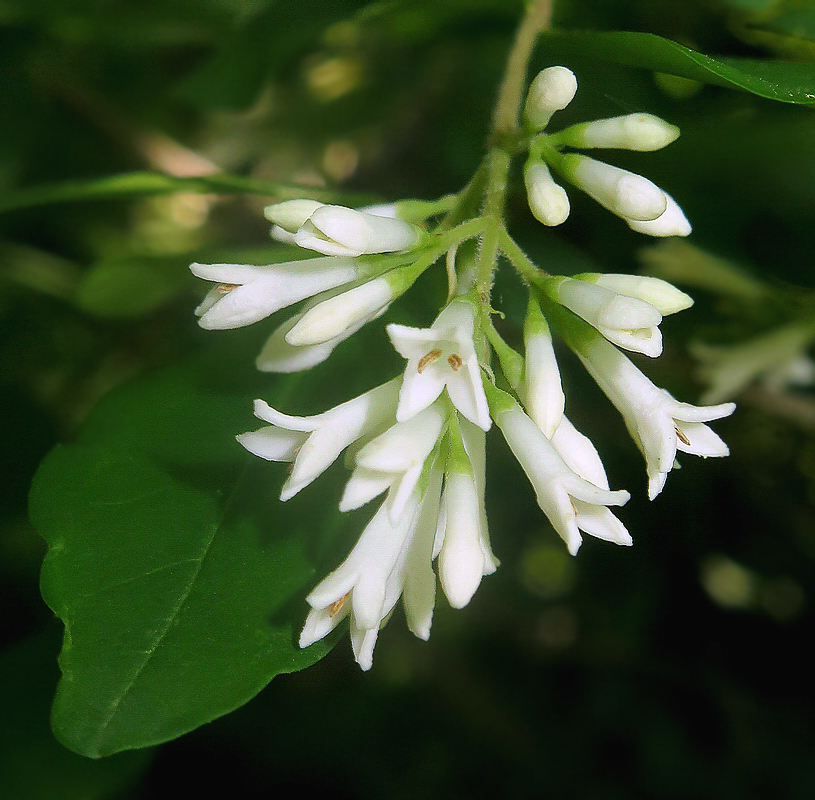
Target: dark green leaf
(178, 574)
(777, 80)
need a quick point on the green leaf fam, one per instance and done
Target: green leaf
(178, 574)
(142, 184)
(787, 82)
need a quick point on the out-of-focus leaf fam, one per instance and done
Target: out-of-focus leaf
(136, 184)
(798, 23)
(131, 287)
(174, 567)
(787, 82)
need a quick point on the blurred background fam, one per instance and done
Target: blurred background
(678, 668)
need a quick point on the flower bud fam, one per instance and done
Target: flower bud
(336, 230)
(643, 132)
(626, 321)
(548, 202)
(332, 317)
(291, 215)
(541, 390)
(663, 296)
(623, 193)
(550, 91)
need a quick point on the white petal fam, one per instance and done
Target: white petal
(624, 193)
(701, 440)
(672, 222)
(363, 485)
(331, 318)
(461, 560)
(663, 296)
(419, 595)
(579, 453)
(273, 444)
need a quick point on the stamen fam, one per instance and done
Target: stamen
(337, 605)
(226, 288)
(682, 436)
(455, 362)
(431, 358)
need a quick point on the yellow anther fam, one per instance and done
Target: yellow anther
(337, 605)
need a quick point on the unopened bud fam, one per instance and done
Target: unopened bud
(550, 91)
(623, 193)
(643, 132)
(548, 202)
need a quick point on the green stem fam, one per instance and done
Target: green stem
(505, 125)
(508, 106)
(520, 260)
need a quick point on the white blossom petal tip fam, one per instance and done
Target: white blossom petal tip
(548, 201)
(330, 318)
(672, 221)
(624, 193)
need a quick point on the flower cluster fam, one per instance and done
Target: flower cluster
(417, 442)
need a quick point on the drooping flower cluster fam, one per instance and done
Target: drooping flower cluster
(417, 442)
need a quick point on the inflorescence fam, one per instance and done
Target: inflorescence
(419, 438)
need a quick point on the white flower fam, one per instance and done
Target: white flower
(581, 456)
(551, 90)
(366, 586)
(247, 294)
(390, 559)
(627, 321)
(623, 193)
(571, 502)
(330, 318)
(394, 460)
(341, 231)
(278, 355)
(440, 356)
(462, 540)
(643, 132)
(540, 390)
(548, 201)
(314, 443)
(659, 424)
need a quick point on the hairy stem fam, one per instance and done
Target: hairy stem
(505, 124)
